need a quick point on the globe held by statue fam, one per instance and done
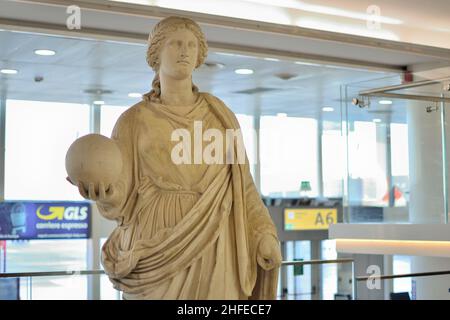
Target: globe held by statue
(94, 158)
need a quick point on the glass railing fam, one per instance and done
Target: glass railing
(95, 285)
(50, 285)
(396, 135)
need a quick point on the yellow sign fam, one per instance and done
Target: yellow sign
(309, 218)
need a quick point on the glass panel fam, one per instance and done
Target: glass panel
(394, 156)
(329, 277)
(298, 278)
(107, 291)
(402, 265)
(49, 255)
(333, 159)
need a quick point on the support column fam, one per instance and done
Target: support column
(320, 192)
(257, 165)
(426, 203)
(388, 265)
(93, 244)
(316, 292)
(2, 143)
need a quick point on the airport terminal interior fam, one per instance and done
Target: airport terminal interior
(344, 112)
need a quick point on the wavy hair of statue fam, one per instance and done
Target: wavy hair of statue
(156, 42)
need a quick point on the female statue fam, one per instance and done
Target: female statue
(185, 230)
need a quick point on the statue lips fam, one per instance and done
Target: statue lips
(183, 62)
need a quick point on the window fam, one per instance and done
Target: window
(109, 116)
(38, 135)
(49, 255)
(366, 186)
(288, 155)
(333, 160)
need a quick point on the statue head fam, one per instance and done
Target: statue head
(165, 54)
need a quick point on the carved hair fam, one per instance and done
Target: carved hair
(156, 41)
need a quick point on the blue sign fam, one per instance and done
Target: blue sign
(45, 220)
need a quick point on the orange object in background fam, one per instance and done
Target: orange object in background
(397, 194)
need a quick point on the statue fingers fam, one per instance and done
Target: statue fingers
(110, 190)
(68, 179)
(265, 263)
(92, 194)
(82, 190)
(101, 191)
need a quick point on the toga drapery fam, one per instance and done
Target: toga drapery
(185, 231)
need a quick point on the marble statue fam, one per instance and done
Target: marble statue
(187, 227)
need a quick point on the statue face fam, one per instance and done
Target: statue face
(179, 54)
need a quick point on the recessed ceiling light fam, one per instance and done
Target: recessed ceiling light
(376, 120)
(44, 52)
(99, 102)
(385, 102)
(135, 95)
(281, 114)
(9, 71)
(327, 109)
(243, 71)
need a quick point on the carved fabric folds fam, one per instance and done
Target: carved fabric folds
(184, 231)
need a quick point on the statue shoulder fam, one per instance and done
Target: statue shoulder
(126, 120)
(217, 103)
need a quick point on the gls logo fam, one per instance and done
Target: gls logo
(60, 213)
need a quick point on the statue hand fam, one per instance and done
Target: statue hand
(269, 253)
(102, 193)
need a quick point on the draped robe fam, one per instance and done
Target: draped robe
(184, 231)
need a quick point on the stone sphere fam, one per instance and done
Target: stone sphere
(94, 158)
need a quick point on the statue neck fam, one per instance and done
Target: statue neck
(176, 92)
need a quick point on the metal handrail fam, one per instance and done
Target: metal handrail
(288, 263)
(406, 275)
(408, 85)
(93, 272)
(50, 273)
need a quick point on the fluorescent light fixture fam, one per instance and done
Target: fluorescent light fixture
(385, 102)
(281, 114)
(99, 102)
(9, 71)
(271, 59)
(44, 52)
(135, 95)
(322, 24)
(243, 71)
(395, 247)
(308, 63)
(401, 239)
(376, 120)
(327, 10)
(327, 109)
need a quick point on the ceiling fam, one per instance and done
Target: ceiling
(120, 68)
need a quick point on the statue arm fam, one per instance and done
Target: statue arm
(113, 205)
(259, 217)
